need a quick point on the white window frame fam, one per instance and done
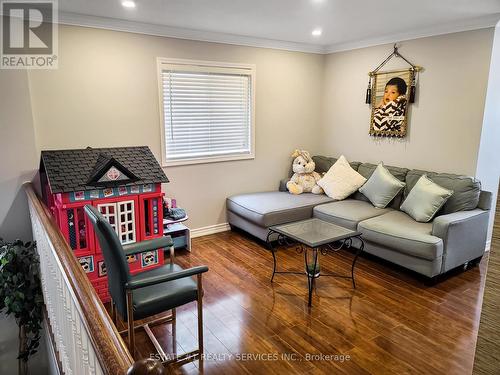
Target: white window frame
(214, 66)
(117, 226)
(122, 210)
(107, 215)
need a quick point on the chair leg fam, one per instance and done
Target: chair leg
(174, 331)
(172, 254)
(130, 321)
(200, 315)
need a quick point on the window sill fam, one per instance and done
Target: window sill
(206, 160)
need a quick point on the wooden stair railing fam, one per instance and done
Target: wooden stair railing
(83, 335)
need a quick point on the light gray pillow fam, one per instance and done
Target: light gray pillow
(381, 187)
(425, 199)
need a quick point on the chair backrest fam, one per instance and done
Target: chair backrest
(116, 263)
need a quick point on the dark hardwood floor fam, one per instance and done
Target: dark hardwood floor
(487, 358)
(391, 324)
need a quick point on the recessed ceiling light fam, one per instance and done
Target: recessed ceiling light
(317, 32)
(128, 4)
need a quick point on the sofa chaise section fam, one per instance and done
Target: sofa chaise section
(256, 212)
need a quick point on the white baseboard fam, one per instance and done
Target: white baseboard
(211, 229)
(488, 245)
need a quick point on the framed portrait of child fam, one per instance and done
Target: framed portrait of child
(389, 102)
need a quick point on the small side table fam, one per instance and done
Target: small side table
(318, 237)
(180, 233)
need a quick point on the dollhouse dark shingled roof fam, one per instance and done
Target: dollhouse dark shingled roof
(69, 170)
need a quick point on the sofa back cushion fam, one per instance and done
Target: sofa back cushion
(324, 163)
(466, 190)
(367, 169)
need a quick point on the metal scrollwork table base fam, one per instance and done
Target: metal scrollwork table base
(313, 237)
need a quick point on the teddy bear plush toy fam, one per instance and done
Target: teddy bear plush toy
(304, 179)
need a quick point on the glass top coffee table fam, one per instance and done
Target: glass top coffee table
(314, 235)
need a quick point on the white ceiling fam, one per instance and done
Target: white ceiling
(287, 24)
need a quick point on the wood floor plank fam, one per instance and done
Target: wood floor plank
(487, 355)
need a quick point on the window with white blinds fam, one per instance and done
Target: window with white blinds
(207, 112)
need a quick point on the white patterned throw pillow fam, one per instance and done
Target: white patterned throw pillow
(341, 180)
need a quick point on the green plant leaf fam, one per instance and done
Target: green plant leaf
(20, 290)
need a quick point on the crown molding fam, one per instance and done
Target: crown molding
(75, 19)
(115, 24)
(448, 28)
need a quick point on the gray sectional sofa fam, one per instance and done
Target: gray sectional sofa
(456, 236)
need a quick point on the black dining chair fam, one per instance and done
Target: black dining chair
(150, 292)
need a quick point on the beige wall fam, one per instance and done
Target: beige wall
(18, 155)
(18, 164)
(445, 122)
(105, 93)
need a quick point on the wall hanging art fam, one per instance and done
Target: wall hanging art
(389, 93)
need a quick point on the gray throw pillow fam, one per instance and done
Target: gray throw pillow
(425, 199)
(381, 187)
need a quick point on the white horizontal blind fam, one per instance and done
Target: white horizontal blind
(206, 113)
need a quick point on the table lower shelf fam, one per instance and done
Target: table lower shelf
(181, 235)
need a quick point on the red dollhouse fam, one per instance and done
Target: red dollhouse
(123, 183)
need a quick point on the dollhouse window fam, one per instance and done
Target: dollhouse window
(126, 230)
(108, 210)
(151, 216)
(82, 228)
(77, 230)
(147, 225)
(71, 228)
(121, 217)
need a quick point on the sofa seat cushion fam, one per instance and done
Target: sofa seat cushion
(275, 207)
(398, 231)
(348, 213)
